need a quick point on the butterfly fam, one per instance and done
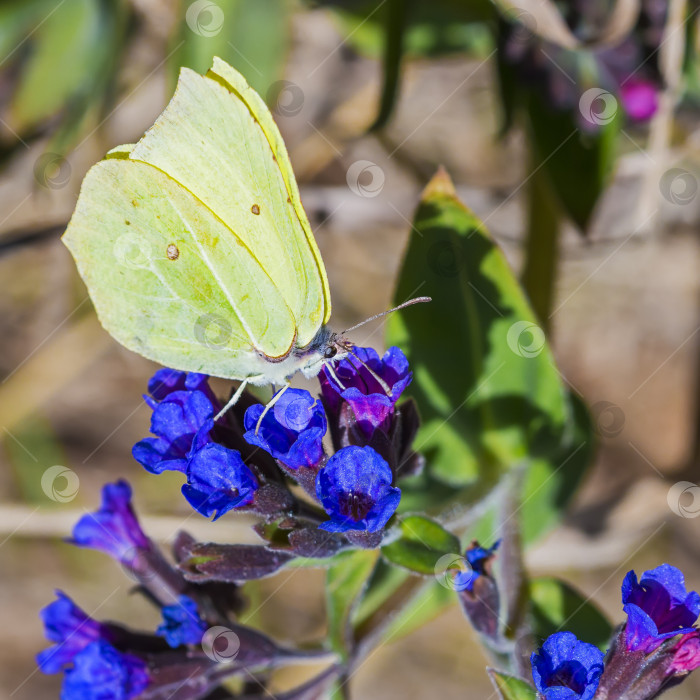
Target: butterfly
(194, 244)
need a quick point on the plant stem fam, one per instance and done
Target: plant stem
(542, 245)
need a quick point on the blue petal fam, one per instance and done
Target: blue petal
(218, 480)
(100, 672)
(181, 623)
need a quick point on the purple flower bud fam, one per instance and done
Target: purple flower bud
(292, 430)
(355, 489)
(658, 607)
(218, 480)
(100, 672)
(640, 99)
(370, 385)
(478, 591)
(114, 528)
(181, 623)
(479, 559)
(686, 653)
(72, 630)
(566, 669)
(177, 420)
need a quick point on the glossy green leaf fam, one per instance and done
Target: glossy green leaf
(251, 35)
(557, 606)
(511, 688)
(345, 582)
(485, 383)
(421, 544)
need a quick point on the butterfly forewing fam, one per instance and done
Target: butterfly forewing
(219, 142)
(193, 242)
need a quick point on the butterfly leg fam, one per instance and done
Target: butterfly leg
(271, 403)
(237, 395)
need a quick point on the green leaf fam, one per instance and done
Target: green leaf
(509, 687)
(421, 544)
(430, 601)
(557, 606)
(78, 32)
(386, 580)
(345, 582)
(36, 457)
(433, 28)
(484, 381)
(395, 16)
(252, 35)
(579, 163)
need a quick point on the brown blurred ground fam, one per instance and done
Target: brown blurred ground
(626, 331)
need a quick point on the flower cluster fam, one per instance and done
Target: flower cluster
(656, 647)
(222, 458)
(183, 423)
(107, 661)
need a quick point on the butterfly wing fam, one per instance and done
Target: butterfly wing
(169, 280)
(194, 244)
(218, 139)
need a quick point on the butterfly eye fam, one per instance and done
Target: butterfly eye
(330, 351)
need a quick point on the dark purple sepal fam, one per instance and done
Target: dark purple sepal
(365, 540)
(216, 599)
(314, 543)
(272, 499)
(637, 675)
(481, 606)
(478, 591)
(231, 562)
(155, 574)
(404, 429)
(306, 477)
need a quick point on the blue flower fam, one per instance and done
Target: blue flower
(370, 385)
(478, 559)
(181, 422)
(658, 607)
(566, 669)
(72, 630)
(166, 380)
(292, 431)
(113, 528)
(355, 489)
(181, 623)
(218, 480)
(100, 672)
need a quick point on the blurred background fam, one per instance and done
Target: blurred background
(571, 129)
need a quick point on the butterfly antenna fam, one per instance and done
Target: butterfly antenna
(410, 302)
(382, 383)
